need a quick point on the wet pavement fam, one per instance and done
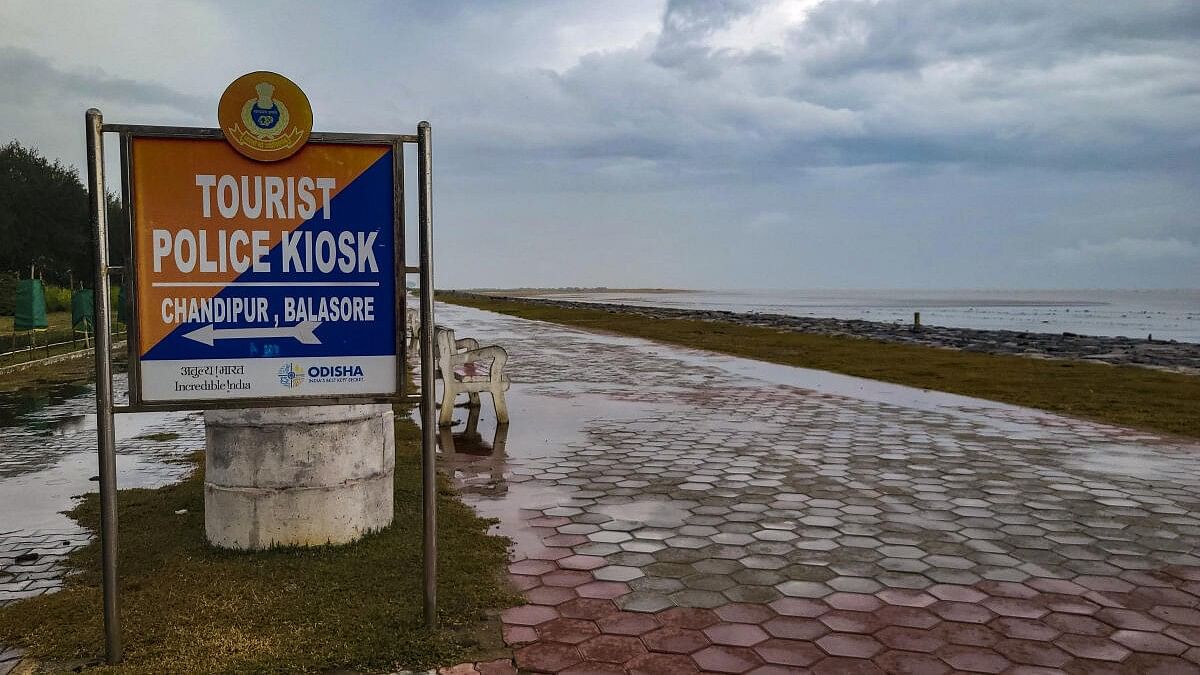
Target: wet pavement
(48, 457)
(676, 511)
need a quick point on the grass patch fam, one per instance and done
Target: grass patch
(189, 607)
(1124, 395)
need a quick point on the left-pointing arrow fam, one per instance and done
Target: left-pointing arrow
(302, 332)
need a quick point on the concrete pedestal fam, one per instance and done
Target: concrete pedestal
(297, 476)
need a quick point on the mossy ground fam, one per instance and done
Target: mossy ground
(1124, 395)
(188, 607)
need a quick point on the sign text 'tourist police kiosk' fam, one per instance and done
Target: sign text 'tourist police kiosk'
(265, 264)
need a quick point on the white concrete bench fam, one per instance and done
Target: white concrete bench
(412, 328)
(467, 368)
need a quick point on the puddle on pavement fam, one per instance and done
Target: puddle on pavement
(660, 513)
(35, 501)
(16, 406)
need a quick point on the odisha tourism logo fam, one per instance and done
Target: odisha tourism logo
(291, 375)
(336, 373)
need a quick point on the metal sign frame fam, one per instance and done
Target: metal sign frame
(95, 129)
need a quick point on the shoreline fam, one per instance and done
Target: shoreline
(1165, 355)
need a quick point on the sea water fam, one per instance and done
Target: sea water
(1165, 314)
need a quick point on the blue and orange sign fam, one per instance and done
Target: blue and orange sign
(260, 280)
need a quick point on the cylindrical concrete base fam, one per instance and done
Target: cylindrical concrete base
(297, 476)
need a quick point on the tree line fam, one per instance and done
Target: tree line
(44, 223)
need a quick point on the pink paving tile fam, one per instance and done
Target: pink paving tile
(912, 617)
(1061, 586)
(1025, 629)
(851, 622)
(612, 648)
(581, 562)
(566, 578)
(1186, 616)
(1069, 604)
(1089, 647)
(1033, 653)
(548, 521)
(1102, 599)
(967, 634)
(1078, 625)
(519, 635)
(1162, 596)
(1157, 664)
(721, 659)
(858, 602)
(735, 634)
(661, 664)
(1144, 641)
(1006, 589)
(1017, 607)
(528, 615)
(604, 590)
(556, 553)
(789, 652)
(1097, 583)
(549, 595)
(497, 667)
(1129, 619)
(565, 540)
(587, 608)
(956, 593)
(675, 640)
(1186, 634)
(532, 567)
(838, 665)
(963, 612)
(799, 607)
(523, 582)
(772, 669)
(1188, 572)
(1140, 578)
(627, 623)
(908, 663)
(848, 644)
(795, 628)
(594, 668)
(910, 639)
(745, 613)
(547, 657)
(688, 617)
(973, 659)
(906, 597)
(568, 631)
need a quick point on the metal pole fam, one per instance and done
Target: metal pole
(105, 438)
(428, 422)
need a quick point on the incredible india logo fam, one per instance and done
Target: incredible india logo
(265, 116)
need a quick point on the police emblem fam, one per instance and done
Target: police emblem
(265, 116)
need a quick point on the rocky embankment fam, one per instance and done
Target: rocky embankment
(1182, 357)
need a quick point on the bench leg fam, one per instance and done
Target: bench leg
(501, 406)
(446, 410)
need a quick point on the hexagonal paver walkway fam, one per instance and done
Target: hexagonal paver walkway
(677, 511)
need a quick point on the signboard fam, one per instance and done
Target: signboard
(266, 270)
(259, 280)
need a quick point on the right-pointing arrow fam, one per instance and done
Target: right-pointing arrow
(302, 332)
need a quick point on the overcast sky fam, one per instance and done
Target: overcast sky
(702, 143)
